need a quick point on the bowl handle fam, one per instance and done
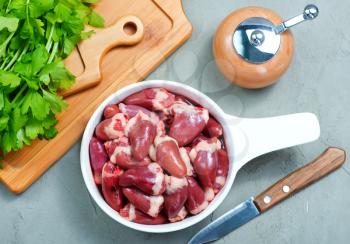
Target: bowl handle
(255, 137)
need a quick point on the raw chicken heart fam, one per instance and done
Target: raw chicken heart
(110, 110)
(130, 213)
(176, 195)
(188, 122)
(112, 128)
(205, 162)
(150, 205)
(169, 157)
(119, 152)
(110, 187)
(196, 201)
(149, 179)
(141, 137)
(153, 98)
(98, 157)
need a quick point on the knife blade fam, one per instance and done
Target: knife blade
(228, 222)
(330, 160)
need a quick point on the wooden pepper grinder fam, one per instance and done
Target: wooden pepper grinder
(253, 46)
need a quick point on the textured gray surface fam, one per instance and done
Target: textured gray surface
(57, 208)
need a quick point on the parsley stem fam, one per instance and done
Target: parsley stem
(13, 60)
(27, 18)
(3, 45)
(4, 63)
(53, 53)
(25, 49)
(8, 5)
(49, 40)
(18, 95)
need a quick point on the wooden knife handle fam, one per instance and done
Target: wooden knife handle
(330, 160)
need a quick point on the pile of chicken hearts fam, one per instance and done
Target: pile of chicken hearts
(156, 157)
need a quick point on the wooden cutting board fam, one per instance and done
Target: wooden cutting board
(165, 29)
(126, 31)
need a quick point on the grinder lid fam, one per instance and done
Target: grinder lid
(257, 39)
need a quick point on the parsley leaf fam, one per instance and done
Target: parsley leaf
(9, 79)
(38, 105)
(39, 7)
(33, 128)
(3, 122)
(39, 59)
(56, 102)
(18, 120)
(11, 23)
(96, 20)
(35, 37)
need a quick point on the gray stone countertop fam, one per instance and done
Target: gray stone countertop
(58, 209)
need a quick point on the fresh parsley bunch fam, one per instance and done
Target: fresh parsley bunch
(35, 37)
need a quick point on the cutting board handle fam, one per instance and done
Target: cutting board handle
(128, 30)
(330, 160)
(255, 137)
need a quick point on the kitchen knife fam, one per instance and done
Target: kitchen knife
(330, 160)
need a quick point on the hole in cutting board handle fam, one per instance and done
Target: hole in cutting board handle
(130, 28)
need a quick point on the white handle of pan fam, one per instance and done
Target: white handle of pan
(254, 137)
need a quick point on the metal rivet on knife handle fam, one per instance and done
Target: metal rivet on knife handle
(327, 162)
(267, 199)
(285, 189)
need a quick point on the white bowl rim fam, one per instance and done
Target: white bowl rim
(118, 96)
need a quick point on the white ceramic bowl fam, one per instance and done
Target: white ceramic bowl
(244, 138)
